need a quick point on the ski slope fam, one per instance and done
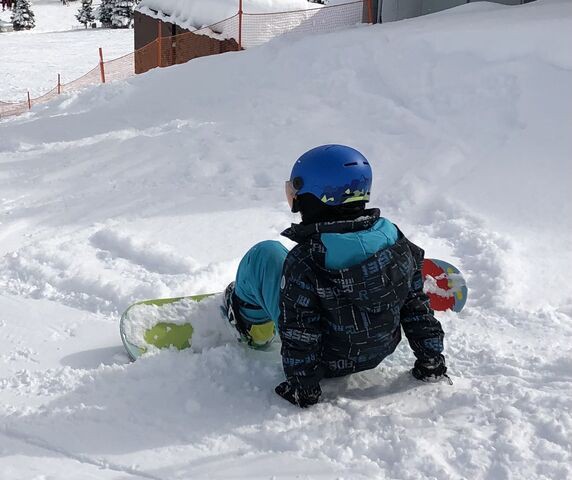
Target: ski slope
(30, 60)
(156, 187)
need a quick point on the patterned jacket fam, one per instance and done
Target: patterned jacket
(337, 322)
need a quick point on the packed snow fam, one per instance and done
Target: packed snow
(156, 187)
(31, 60)
(51, 16)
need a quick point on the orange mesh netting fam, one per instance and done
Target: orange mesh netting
(92, 77)
(120, 68)
(46, 97)
(9, 109)
(259, 28)
(147, 57)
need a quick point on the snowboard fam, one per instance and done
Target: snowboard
(167, 322)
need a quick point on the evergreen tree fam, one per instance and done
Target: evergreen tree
(22, 16)
(122, 14)
(105, 12)
(85, 13)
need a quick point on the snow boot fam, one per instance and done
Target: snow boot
(257, 335)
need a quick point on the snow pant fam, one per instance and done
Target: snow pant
(258, 282)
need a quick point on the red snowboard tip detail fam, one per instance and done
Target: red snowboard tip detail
(438, 302)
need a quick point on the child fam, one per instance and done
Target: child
(341, 296)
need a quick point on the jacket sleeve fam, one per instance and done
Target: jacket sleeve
(422, 329)
(300, 326)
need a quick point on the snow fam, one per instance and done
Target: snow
(31, 60)
(51, 16)
(156, 187)
(456, 280)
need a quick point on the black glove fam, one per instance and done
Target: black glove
(298, 396)
(431, 370)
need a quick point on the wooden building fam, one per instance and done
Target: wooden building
(174, 44)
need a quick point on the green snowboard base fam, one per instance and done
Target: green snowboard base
(162, 334)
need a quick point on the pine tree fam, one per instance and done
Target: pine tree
(105, 12)
(122, 13)
(22, 16)
(85, 13)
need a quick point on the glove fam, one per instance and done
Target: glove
(298, 396)
(431, 370)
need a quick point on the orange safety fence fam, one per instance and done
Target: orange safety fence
(258, 28)
(46, 97)
(92, 77)
(240, 31)
(119, 68)
(217, 38)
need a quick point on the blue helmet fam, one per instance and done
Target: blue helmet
(335, 174)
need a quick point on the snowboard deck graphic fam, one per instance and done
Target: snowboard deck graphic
(167, 323)
(444, 284)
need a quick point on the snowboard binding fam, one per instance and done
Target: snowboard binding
(256, 335)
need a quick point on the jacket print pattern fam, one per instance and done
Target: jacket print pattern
(337, 322)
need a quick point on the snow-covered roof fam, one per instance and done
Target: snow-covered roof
(192, 14)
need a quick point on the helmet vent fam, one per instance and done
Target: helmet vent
(351, 164)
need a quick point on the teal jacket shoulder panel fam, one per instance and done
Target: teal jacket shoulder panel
(344, 250)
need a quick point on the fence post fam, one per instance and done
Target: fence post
(101, 66)
(240, 24)
(369, 11)
(29, 101)
(59, 84)
(159, 43)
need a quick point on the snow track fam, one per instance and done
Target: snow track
(105, 270)
(112, 196)
(69, 463)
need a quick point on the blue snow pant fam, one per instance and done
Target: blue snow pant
(258, 282)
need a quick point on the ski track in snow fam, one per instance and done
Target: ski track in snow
(107, 198)
(104, 271)
(82, 459)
